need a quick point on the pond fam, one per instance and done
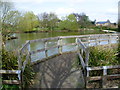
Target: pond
(23, 37)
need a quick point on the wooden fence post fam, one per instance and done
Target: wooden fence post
(87, 56)
(104, 79)
(29, 54)
(60, 45)
(46, 53)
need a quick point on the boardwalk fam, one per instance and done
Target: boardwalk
(59, 72)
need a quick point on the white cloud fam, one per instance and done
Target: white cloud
(112, 11)
(44, 1)
(65, 11)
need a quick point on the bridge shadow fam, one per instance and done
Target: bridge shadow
(59, 72)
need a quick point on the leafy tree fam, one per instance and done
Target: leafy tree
(48, 20)
(28, 21)
(69, 23)
(82, 19)
(53, 19)
(7, 19)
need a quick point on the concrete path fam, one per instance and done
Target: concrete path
(62, 71)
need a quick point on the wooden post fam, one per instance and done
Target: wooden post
(29, 54)
(19, 60)
(99, 40)
(89, 41)
(87, 56)
(46, 53)
(60, 45)
(109, 41)
(29, 49)
(77, 46)
(96, 40)
(87, 75)
(104, 79)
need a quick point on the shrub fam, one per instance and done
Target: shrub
(100, 56)
(9, 62)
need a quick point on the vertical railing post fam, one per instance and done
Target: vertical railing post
(77, 46)
(60, 45)
(29, 49)
(86, 69)
(46, 52)
(20, 67)
(104, 79)
(19, 60)
(87, 56)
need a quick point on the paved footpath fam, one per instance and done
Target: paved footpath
(62, 71)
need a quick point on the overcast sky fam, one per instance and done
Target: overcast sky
(101, 10)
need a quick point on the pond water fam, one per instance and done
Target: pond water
(23, 37)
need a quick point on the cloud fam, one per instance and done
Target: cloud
(65, 11)
(112, 11)
(45, 1)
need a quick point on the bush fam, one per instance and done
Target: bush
(9, 62)
(100, 56)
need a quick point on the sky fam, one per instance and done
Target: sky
(101, 10)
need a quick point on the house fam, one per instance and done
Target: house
(103, 23)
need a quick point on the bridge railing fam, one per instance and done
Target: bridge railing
(87, 40)
(83, 53)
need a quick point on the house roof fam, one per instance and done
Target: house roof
(103, 22)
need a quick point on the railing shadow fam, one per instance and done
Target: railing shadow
(59, 72)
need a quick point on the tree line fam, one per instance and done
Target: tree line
(14, 20)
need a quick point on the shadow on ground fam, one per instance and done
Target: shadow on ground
(62, 71)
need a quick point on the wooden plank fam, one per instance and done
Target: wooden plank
(44, 39)
(24, 46)
(92, 35)
(81, 44)
(100, 77)
(69, 44)
(101, 67)
(10, 71)
(81, 60)
(95, 78)
(17, 82)
(40, 50)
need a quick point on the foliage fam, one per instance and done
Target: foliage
(9, 62)
(100, 56)
(69, 23)
(28, 21)
(83, 20)
(48, 20)
(28, 75)
(10, 87)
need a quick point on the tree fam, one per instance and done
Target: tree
(28, 21)
(82, 19)
(48, 20)
(6, 15)
(69, 23)
(53, 19)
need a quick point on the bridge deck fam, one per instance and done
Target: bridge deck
(59, 72)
